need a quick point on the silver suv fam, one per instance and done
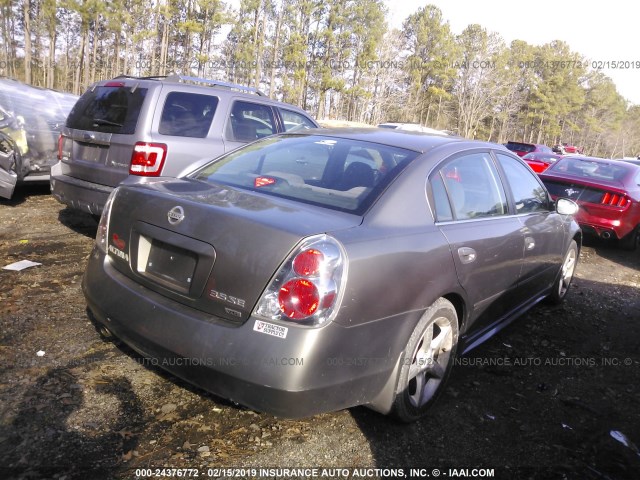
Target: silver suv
(157, 126)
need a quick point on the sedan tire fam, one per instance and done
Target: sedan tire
(426, 361)
(565, 276)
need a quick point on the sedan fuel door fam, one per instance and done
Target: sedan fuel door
(471, 210)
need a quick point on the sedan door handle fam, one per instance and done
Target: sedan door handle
(467, 254)
(529, 243)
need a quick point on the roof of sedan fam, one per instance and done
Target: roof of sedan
(416, 141)
(587, 158)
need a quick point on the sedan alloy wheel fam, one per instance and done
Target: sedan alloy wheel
(566, 274)
(427, 361)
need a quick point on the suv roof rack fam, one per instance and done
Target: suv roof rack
(214, 83)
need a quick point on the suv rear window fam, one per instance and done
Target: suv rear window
(108, 109)
(250, 121)
(187, 114)
(337, 173)
(294, 121)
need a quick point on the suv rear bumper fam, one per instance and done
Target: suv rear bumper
(36, 178)
(78, 194)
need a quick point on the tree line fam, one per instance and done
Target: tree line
(335, 58)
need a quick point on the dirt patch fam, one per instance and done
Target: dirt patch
(555, 395)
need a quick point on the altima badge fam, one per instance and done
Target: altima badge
(175, 215)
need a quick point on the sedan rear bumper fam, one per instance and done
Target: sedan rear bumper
(78, 194)
(305, 373)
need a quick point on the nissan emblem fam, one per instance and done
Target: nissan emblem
(175, 215)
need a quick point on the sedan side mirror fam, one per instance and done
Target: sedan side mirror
(564, 206)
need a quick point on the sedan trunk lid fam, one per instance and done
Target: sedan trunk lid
(208, 246)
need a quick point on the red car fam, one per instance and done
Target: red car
(567, 149)
(607, 191)
(539, 162)
(521, 148)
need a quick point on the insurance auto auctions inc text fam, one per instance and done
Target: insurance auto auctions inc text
(346, 473)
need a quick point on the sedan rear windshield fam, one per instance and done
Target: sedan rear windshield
(543, 157)
(591, 170)
(520, 147)
(108, 109)
(338, 173)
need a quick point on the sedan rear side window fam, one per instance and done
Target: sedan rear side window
(187, 114)
(108, 110)
(473, 187)
(443, 211)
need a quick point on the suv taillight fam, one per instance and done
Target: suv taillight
(60, 146)
(147, 159)
(307, 289)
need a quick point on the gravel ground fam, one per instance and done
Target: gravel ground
(555, 395)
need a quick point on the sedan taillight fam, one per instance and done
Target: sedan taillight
(102, 234)
(308, 286)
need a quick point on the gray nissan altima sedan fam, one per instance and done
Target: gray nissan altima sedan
(319, 270)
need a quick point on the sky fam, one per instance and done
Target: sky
(603, 32)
